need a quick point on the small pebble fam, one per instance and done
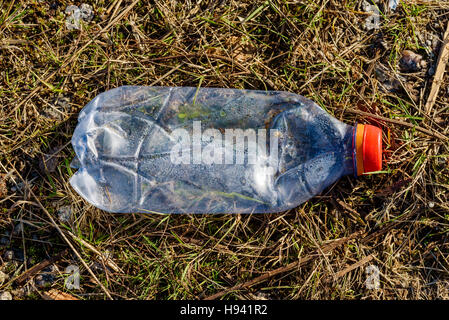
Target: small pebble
(9, 255)
(87, 13)
(49, 162)
(19, 292)
(18, 187)
(435, 42)
(3, 277)
(18, 229)
(5, 295)
(411, 62)
(44, 280)
(64, 214)
(39, 281)
(97, 266)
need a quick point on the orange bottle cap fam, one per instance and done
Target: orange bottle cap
(368, 149)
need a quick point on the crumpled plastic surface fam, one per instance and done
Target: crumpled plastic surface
(123, 143)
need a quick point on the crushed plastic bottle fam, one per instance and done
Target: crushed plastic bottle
(212, 150)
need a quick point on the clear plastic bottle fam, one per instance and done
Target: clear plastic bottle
(212, 150)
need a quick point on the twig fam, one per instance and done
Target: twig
(66, 240)
(399, 122)
(351, 211)
(102, 256)
(369, 71)
(387, 227)
(439, 73)
(352, 267)
(167, 74)
(76, 54)
(291, 266)
(199, 55)
(55, 294)
(38, 267)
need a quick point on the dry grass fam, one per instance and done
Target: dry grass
(399, 220)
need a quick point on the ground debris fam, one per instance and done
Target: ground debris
(65, 214)
(49, 162)
(393, 4)
(55, 294)
(3, 189)
(411, 62)
(5, 295)
(58, 109)
(3, 277)
(76, 14)
(38, 267)
(45, 279)
(8, 255)
(390, 82)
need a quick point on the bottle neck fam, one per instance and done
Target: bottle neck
(349, 160)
